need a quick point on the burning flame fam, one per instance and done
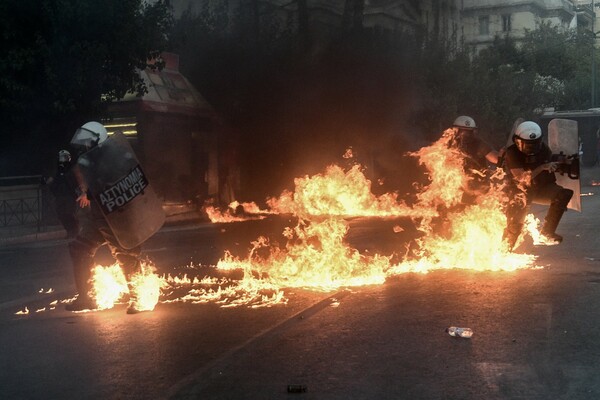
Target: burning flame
(444, 165)
(316, 255)
(109, 286)
(532, 226)
(337, 193)
(455, 235)
(250, 211)
(471, 236)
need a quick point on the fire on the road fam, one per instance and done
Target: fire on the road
(109, 286)
(233, 213)
(455, 235)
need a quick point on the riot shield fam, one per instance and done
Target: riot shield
(563, 139)
(118, 184)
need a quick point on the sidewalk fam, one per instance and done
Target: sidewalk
(175, 215)
(188, 214)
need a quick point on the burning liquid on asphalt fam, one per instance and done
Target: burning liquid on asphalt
(317, 256)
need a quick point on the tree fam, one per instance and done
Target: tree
(563, 56)
(298, 101)
(63, 60)
(550, 67)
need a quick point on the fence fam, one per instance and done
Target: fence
(22, 202)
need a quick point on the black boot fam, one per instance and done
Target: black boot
(514, 226)
(134, 306)
(511, 236)
(557, 208)
(551, 238)
(82, 259)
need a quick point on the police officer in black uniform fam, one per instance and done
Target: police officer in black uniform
(477, 154)
(63, 188)
(529, 165)
(95, 232)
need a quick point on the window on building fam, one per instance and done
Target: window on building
(484, 25)
(506, 23)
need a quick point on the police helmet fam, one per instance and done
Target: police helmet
(528, 138)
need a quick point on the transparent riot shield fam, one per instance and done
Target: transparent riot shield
(118, 184)
(563, 139)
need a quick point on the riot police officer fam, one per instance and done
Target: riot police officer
(477, 154)
(95, 231)
(529, 166)
(62, 187)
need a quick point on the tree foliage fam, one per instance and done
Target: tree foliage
(299, 96)
(550, 67)
(62, 59)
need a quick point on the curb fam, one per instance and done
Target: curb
(34, 237)
(57, 232)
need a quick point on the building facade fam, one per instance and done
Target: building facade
(483, 20)
(471, 23)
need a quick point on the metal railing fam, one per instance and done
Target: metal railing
(21, 201)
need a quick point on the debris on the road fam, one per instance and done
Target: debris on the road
(459, 332)
(296, 388)
(335, 303)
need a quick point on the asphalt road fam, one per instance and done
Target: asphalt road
(535, 331)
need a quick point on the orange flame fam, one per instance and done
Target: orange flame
(109, 286)
(251, 211)
(456, 235)
(316, 255)
(472, 237)
(341, 194)
(445, 169)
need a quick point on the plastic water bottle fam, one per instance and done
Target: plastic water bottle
(459, 332)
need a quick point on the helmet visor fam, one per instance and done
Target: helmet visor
(529, 147)
(466, 132)
(85, 138)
